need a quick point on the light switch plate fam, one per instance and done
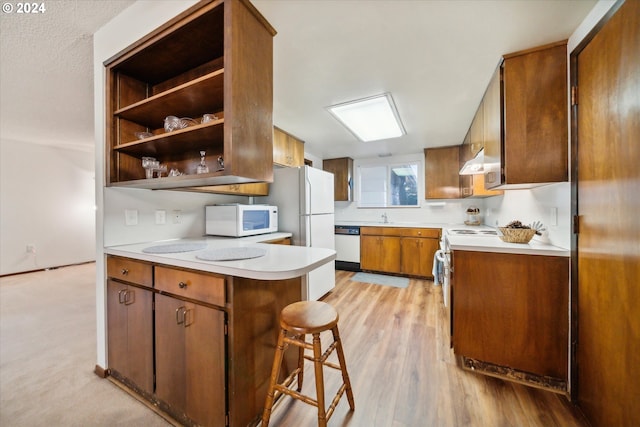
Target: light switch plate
(131, 217)
(161, 217)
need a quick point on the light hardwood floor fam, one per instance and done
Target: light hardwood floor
(404, 374)
(395, 340)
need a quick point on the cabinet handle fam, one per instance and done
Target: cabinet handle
(124, 271)
(122, 296)
(185, 317)
(182, 285)
(129, 297)
(180, 315)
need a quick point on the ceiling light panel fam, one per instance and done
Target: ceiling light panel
(370, 119)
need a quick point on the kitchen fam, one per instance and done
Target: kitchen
(549, 204)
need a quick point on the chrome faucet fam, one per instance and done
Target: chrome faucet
(384, 218)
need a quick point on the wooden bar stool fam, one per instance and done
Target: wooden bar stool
(297, 320)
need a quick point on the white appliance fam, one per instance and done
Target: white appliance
(304, 197)
(238, 220)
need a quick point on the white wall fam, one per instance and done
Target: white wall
(133, 23)
(445, 211)
(46, 200)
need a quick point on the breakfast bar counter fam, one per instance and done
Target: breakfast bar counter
(192, 324)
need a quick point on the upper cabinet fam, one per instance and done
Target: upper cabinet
(288, 150)
(473, 185)
(525, 116)
(211, 68)
(441, 167)
(342, 169)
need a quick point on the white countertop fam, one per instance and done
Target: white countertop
(495, 244)
(396, 224)
(280, 262)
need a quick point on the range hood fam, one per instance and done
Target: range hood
(474, 166)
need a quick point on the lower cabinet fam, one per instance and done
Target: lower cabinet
(512, 311)
(399, 250)
(190, 360)
(416, 255)
(380, 253)
(130, 336)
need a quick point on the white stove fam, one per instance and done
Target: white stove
(471, 232)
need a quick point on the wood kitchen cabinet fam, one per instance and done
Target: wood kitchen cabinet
(207, 339)
(416, 255)
(190, 345)
(525, 116)
(342, 170)
(380, 253)
(130, 323)
(511, 311)
(215, 58)
(288, 151)
(399, 250)
(442, 165)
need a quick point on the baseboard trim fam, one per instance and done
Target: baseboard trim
(100, 371)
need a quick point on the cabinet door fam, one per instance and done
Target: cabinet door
(190, 360)
(442, 165)
(342, 170)
(512, 310)
(130, 334)
(287, 150)
(379, 253)
(535, 111)
(417, 256)
(492, 124)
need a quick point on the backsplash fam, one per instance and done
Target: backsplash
(549, 204)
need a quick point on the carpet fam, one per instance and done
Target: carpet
(381, 279)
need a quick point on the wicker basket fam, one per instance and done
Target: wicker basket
(517, 235)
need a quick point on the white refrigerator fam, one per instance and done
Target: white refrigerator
(304, 197)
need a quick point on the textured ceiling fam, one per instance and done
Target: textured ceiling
(434, 56)
(46, 72)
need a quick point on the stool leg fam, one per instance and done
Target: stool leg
(317, 363)
(343, 367)
(275, 372)
(300, 364)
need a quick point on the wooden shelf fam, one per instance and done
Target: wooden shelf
(192, 99)
(193, 138)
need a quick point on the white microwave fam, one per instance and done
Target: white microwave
(238, 220)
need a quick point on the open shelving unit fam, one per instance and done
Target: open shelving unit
(215, 58)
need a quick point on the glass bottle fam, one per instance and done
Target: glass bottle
(202, 167)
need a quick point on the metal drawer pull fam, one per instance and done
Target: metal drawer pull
(129, 297)
(186, 316)
(122, 296)
(125, 271)
(182, 285)
(180, 315)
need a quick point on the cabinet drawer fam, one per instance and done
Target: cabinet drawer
(401, 232)
(130, 270)
(198, 286)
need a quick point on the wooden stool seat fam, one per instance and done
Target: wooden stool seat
(297, 320)
(308, 317)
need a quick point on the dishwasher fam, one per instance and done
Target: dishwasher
(347, 247)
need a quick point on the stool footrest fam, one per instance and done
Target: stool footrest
(335, 401)
(325, 363)
(295, 394)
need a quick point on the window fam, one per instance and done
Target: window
(388, 185)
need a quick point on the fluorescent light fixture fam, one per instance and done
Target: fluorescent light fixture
(370, 119)
(474, 166)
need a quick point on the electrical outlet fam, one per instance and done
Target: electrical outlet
(161, 217)
(130, 217)
(177, 216)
